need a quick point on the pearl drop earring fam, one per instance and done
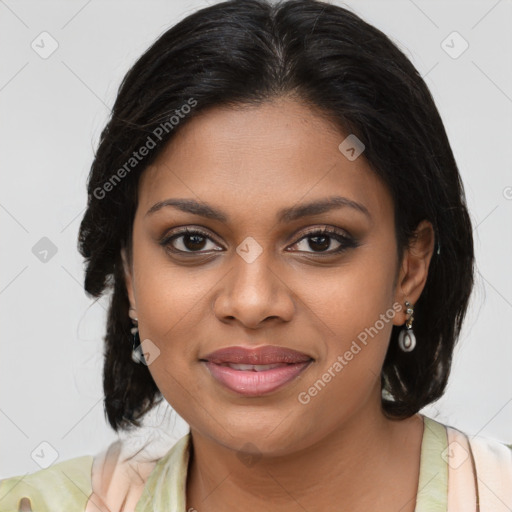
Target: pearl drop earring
(406, 337)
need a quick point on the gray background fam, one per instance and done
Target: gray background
(52, 112)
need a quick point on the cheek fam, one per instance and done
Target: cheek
(164, 291)
(355, 304)
(352, 297)
(171, 302)
(347, 375)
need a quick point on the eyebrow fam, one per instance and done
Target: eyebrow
(284, 215)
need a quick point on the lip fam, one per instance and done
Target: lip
(287, 365)
(268, 354)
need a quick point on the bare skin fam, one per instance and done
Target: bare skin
(337, 451)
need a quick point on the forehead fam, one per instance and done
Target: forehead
(261, 158)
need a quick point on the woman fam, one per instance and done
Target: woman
(278, 213)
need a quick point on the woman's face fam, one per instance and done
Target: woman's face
(253, 277)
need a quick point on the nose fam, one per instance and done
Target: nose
(254, 294)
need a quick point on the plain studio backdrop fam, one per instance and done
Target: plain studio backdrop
(62, 63)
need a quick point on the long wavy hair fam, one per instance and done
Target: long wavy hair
(248, 52)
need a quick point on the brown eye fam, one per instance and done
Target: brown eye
(188, 241)
(320, 241)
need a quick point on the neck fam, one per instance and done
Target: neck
(350, 465)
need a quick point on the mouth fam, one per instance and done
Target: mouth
(256, 371)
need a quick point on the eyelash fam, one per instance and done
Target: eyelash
(345, 241)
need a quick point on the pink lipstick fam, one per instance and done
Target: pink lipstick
(255, 371)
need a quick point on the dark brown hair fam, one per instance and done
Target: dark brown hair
(235, 53)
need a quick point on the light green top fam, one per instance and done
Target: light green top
(66, 486)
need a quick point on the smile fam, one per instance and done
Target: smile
(256, 371)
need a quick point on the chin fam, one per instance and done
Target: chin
(269, 438)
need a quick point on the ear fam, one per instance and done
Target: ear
(414, 270)
(128, 278)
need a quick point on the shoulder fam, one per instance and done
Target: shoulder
(480, 468)
(165, 487)
(486, 449)
(133, 473)
(111, 481)
(493, 467)
(65, 483)
(490, 456)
